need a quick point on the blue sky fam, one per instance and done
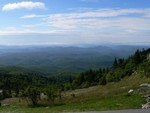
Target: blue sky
(74, 22)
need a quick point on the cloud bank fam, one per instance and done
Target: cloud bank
(93, 26)
(24, 5)
(115, 19)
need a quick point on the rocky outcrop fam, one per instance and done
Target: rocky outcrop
(145, 85)
(146, 106)
(130, 91)
(145, 89)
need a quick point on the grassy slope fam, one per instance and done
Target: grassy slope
(110, 97)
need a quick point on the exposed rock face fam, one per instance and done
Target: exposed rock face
(43, 96)
(5, 105)
(148, 99)
(145, 85)
(145, 90)
(146, 106)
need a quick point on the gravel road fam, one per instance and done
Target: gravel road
(119, 111)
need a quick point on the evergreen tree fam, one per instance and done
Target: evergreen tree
(115, 64)
(137, 57)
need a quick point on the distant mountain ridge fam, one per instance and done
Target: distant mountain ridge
(63, 60)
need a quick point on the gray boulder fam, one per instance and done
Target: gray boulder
(146, 106)
(145, 85)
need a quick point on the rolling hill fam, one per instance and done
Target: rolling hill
(49, 60)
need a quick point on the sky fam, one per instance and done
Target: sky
(74, 22)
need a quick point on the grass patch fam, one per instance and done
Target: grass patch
(110, 103)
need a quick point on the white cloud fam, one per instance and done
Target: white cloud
(97, 19)
(94, 13)
(29, 16)
(33, 16)
(24, 5)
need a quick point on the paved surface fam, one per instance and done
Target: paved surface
(120, 111)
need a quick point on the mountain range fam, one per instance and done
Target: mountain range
(61, 60)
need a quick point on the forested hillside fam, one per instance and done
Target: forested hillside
(138, 63)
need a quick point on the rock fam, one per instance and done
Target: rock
(145, 85)
(130, 91)
(43, 96)
(5, 105)
(146, 106)
(148, 98)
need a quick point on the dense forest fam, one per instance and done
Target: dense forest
(30, 85)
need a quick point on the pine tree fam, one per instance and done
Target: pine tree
(115, 64)
(137, 57)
